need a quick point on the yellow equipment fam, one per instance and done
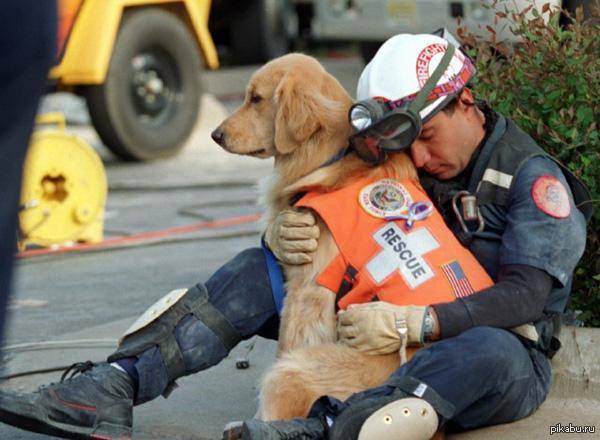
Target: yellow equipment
(88, 32)
(137, 63)
(64, 188)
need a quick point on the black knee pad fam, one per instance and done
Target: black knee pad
(156, 327)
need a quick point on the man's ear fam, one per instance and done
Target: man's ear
(296, 119)
(466, 98)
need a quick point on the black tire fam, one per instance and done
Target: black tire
(258, 31)
(150, 100)
(571, 7)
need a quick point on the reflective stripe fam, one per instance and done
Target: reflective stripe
(498, 178)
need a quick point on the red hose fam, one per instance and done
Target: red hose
(142, 236)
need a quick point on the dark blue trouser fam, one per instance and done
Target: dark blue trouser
(27, 40)
(486, 373)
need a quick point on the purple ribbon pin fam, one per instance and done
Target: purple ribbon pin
(416, 211)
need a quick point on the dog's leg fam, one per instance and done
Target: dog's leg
(308, 318)
(301, 376)
(439, 435)
(283, 393)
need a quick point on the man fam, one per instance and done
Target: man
(525, 229)
(529, 238)
(27, 41)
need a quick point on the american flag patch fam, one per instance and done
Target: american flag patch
(456, 276)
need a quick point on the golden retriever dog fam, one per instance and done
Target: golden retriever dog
(295, 112)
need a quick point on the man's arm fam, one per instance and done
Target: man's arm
(541, 244)
(518, 297)
(543, 240)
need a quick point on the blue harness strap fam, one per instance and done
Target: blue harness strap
(273, 267)
(275, 276)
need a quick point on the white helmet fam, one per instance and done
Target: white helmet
(404, 63)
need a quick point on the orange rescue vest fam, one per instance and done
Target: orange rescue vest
(386, 259)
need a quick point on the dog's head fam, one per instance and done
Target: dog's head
(291, 102)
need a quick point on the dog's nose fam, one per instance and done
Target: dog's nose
(218, 135)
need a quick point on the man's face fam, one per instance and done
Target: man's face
(446, 143)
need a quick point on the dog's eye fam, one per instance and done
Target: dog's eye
(255, 99)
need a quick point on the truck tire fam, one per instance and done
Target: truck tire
(258, 31)
(150, 100)
(570, 7)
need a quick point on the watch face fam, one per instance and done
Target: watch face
(428, 325)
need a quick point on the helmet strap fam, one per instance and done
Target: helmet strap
(419, 102)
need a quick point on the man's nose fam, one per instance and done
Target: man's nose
(419, 154)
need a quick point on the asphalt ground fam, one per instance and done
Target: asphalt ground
(73, 307)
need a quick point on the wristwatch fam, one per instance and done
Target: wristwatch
(428, 324)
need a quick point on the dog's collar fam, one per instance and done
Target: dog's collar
(338, 156)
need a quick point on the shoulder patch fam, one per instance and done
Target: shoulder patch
(551, 197)
(384, 198)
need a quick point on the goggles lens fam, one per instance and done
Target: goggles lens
(367, 147)
(395, 132)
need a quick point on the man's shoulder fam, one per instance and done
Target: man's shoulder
(518, 139)
(541, 164)
(538, 168)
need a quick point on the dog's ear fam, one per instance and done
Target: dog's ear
(297, 112)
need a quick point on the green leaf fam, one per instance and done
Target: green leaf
(549, 84)
(552, 96)
(585, 115)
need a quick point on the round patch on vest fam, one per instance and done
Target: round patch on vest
(384, 198)
(551, 197)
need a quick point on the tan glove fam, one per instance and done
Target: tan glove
(292, 236)
(380, 327)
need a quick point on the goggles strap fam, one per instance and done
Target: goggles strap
(419, 101)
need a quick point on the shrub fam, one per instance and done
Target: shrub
(549, 84)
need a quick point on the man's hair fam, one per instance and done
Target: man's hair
(451, 106)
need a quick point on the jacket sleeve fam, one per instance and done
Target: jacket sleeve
(518, 297)
(542, 241)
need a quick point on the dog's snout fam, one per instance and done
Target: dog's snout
(218, 135)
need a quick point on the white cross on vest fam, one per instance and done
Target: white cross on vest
(402, 252)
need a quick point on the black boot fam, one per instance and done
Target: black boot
(97, 404)
(296, 429)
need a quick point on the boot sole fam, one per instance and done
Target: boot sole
(103, 431)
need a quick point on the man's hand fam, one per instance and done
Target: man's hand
(378, 327)
(292, 236)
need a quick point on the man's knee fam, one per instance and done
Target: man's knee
(156, 328)
(247, 271)
(241, 291)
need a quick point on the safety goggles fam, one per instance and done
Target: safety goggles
(386, 126)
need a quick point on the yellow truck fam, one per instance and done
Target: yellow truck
(137, 63)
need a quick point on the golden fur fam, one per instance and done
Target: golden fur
(296, 112)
